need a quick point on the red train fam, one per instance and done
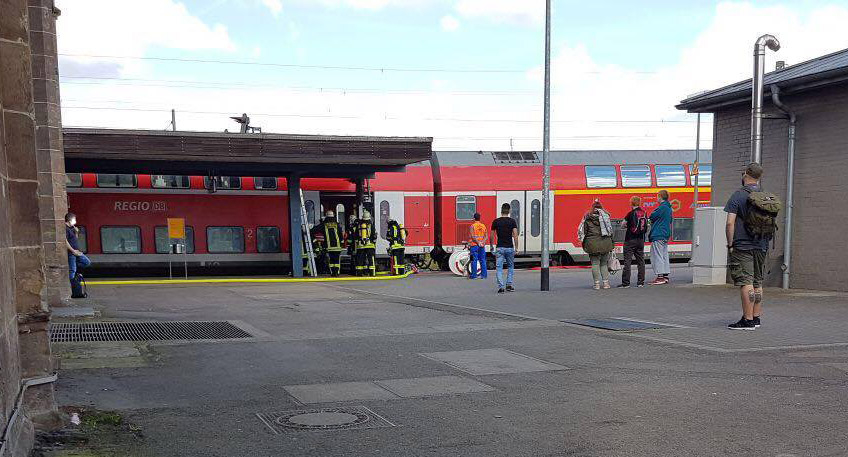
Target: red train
(244, 221)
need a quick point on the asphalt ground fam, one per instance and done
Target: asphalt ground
(444, 366)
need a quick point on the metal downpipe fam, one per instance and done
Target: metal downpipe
(790, 191)
(757, 93)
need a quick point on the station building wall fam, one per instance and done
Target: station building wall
(819, 246)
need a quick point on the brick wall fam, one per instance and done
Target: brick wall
(821, 167)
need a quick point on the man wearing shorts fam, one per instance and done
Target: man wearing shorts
(747, 254)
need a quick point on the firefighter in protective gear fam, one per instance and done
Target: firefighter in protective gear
(352, 237)
(396, 236)
(366, 247)
(333, 236)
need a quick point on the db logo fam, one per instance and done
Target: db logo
(675, 205)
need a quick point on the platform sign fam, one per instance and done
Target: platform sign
(176, 228)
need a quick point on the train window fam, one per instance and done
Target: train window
(670, 175)
(223, 182)
(73, 180)
(267, 239)
(601, 176)
(635, 176)
(705, 175)
(82, 237)
(225, 240)
(265, 183)
(515, 213)
(310, 212)
(170, 182)
(681, 229)
(535, 217)
(116, 180)
(340, 214)
(385, 214)
(466, 206)
(120, 240)
(163, 242)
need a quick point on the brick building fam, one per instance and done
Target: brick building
(33, 262)
(817, 92)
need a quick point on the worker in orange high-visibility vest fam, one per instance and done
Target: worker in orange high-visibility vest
(479, 239)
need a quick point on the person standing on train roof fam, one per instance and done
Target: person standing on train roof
(661, 220)
(333, 236)
(505, 231)
(366, 247)
(479, 238)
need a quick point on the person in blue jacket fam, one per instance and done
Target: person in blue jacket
(661, 219)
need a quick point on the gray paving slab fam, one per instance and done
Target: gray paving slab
(338, 392)
(433, 386)
(492, 361)
(73, 312)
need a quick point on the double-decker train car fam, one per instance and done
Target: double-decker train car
(243, 221)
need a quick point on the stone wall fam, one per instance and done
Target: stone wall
(24, 349)
(820, 185)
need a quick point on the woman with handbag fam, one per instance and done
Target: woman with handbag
(595, 233)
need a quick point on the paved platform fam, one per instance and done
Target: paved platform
(444, 366)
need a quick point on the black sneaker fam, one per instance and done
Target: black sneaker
(743, 324)
(756, 321)
(623, 286)
(500, 291)
(510, 289)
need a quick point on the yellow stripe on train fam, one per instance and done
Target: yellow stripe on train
(631, 190)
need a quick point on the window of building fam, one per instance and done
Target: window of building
(225, 240)
(635, 176)
(120, 240)
(163, 241)
(267, 239)
(515, 213)
(535, 218)
(670, 175)
(600, 176)
(82, 237)
(705, 175)
(223, 182)
(116, 180)
(73, 180)
(265, 183)
(385, 215)
(340, 214)
(466, 206)
(681, 229)
(170, 182)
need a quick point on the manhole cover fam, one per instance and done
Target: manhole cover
(144, 331)
(344, 418)
(619, 325)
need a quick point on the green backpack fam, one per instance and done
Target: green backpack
(761, 217)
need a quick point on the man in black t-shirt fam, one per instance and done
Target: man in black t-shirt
(747, 257)
(505, 231)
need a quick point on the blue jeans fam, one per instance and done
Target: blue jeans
(75, 263)
(478, 254)
(505, 255)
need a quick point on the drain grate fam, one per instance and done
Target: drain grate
(325, 419)
(619, 325)
(144, 331)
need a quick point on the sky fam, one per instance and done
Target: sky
(468, 73)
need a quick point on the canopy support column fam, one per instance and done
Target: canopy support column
(294, 225)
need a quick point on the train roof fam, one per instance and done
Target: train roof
(565, 157)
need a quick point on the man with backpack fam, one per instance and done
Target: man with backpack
(635, 226)
(751, 224)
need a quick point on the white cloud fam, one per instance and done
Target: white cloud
(256, 52)
(275, 6)
(449, 23)
(512, 11)
(102, 27)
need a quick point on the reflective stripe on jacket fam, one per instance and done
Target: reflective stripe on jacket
(479, 234)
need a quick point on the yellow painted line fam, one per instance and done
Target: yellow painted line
(631, 190)
(131, 282)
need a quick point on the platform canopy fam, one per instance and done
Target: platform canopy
(238, 154)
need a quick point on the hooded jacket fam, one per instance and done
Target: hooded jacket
(661, 222)
(595, 233)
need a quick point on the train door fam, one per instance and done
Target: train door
(387, 206)
(312, 202)
(533, 225)
(516, 203)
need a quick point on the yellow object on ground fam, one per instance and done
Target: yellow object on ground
(129, 282)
